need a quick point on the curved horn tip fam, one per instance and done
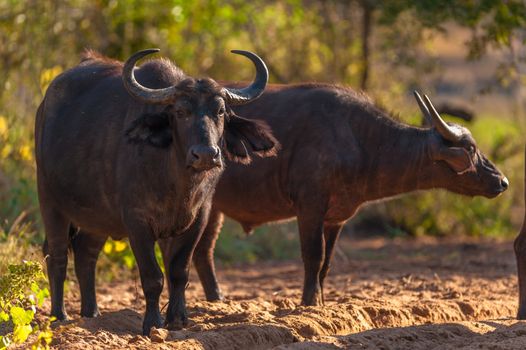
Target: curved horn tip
(427, 98)
(241, 52)
(431, 107)
(142, 53)
(443, 128)
(258, 61)
(251, 55)
(254, 90)
(422, 106)
(138, 55)
(138, 91)
(148, 51)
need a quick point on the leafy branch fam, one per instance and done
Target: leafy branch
(20, 295)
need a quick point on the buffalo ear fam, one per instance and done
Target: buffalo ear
(153, 129)
(457, 158)
(244, 135)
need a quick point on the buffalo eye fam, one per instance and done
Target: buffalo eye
(471, 149)
(221, 112)
(181, 113)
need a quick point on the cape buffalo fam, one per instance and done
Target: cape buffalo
(136, 152)
(339, 151)
(520, 253)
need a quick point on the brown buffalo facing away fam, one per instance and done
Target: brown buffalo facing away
(338, 151)
(136, 152)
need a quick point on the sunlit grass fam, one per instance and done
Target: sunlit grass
(16, 245)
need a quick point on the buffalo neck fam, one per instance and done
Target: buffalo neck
(396, 160)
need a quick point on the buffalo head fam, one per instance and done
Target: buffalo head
(195, 116)
(459, 162)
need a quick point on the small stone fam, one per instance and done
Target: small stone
(158, 335)
(136, 339)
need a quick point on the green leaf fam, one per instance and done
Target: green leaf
(34, 287)
(43, 340)
(129, 261)
(21, 333)
(20, 316)
(4, 317)
(41, 295)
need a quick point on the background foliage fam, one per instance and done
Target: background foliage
(385, 47)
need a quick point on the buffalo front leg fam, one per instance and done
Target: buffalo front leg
(204, 256)
(177, 255)
(520, 253)
(55, 250)
(142, 243)
(86, 249)
(312, 252)
(331, 234)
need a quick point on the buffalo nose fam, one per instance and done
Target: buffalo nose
(201, 157)
(504, 182)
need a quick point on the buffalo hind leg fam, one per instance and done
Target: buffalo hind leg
(331, 234)
(177, 255)
(55, 251)
(204, 257)
(310, 223)
(142, 242)
(86, 249)
(520, 254)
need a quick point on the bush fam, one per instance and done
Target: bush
(268, 242)
(21, 292)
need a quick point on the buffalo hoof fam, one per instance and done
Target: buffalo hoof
(90, 313)
(176, 316)
(177, 324)
(216, 296)
(312, 303)
(152, 319)
(60, 316)
(315, 301)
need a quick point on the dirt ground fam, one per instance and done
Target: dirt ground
(381, 294)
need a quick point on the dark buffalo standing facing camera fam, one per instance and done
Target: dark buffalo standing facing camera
(136, 153)
(338, 151)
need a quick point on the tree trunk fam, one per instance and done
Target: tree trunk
(367, 9)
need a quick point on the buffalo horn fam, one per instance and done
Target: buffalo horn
(141, 92)
(245, 95)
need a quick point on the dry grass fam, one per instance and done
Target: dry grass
(15, 244)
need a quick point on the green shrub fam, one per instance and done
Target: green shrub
(21, 292)
(267, 242)
(118, 256)
(17, 170)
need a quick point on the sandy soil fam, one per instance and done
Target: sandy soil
(423, 294)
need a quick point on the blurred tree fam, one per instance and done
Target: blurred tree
(495, 24)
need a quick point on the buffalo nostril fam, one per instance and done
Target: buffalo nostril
(194, 154)
(203, 157)
(217, 153)
(504, 182)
